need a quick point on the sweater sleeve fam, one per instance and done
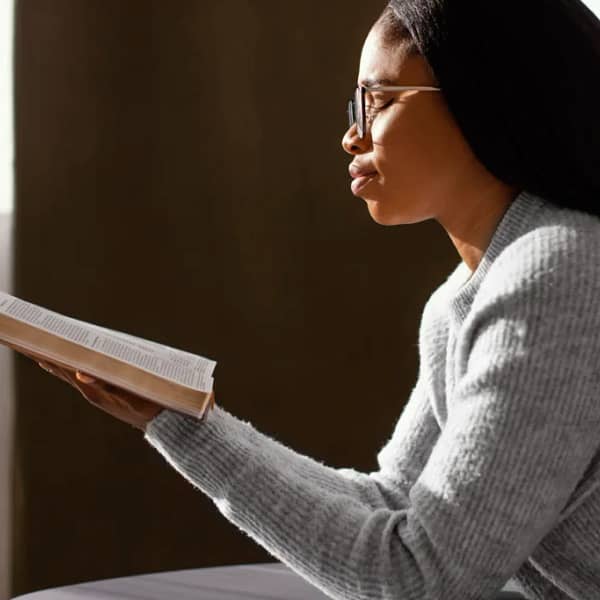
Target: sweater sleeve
(295, 507)
(521, 428)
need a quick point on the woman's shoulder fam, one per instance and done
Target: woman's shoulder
(559, 230)
(557, 251)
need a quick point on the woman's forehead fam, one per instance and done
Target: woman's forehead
(379, 62)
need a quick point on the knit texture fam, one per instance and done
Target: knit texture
(492, 472)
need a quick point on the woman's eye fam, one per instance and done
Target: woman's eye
(385, 105)
(378, 107)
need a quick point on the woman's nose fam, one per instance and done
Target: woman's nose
(352, 143)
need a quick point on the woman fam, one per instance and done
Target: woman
(493, 469)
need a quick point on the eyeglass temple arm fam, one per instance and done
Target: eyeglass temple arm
(399, 88)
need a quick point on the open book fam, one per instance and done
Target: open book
(172, 378)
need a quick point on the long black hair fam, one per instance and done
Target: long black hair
(522, 80)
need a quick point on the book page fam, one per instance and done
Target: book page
(169, 363)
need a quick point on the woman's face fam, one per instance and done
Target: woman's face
(415, 150)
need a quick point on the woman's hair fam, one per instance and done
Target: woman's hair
(522, 80)
(394, 32)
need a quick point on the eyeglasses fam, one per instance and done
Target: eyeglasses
(358, 111)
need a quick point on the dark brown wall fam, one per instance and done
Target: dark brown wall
(180, 177)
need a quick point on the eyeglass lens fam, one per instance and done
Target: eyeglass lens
(356, 111)
(359, 107)
(351, 119)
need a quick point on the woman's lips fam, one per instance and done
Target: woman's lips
(361, 181)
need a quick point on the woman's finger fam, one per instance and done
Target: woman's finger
(91, 392)
(53, 370)
(84, 378)
(119, 403)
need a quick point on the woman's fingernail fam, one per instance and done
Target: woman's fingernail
(84, 378)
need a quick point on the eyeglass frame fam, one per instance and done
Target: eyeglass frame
(361, 124)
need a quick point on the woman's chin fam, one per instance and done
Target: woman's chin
(400, 208)
(379, 214)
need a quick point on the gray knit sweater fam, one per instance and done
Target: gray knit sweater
(492, 472)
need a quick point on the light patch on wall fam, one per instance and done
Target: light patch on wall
(6, 106)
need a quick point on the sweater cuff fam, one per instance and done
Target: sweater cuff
(196, 447)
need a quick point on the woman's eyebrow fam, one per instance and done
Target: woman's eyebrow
(372, 82)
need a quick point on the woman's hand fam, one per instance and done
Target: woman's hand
(123, 405)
